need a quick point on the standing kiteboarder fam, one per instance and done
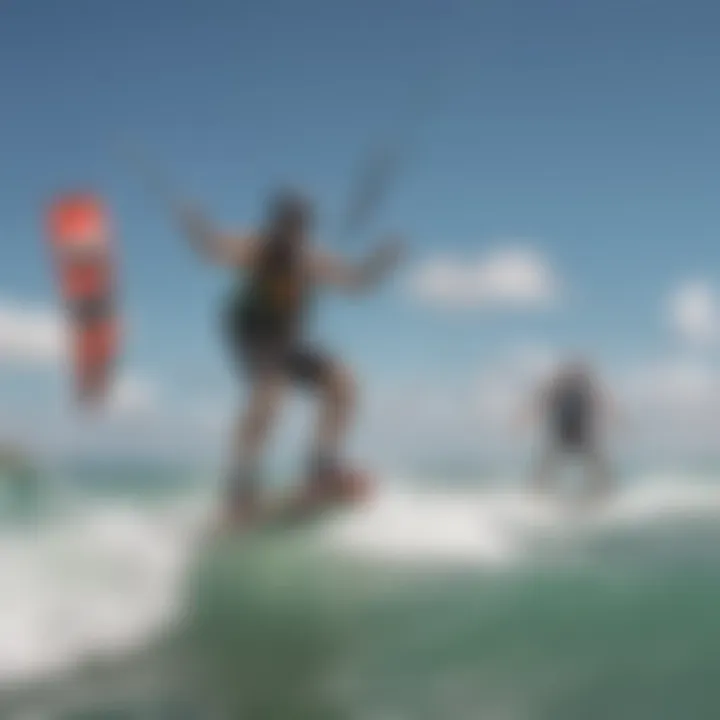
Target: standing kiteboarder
(264, 327)
(575, 410)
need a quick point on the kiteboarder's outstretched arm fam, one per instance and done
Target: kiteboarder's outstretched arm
(330, 270)
(221, 248)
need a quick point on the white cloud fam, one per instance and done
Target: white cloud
(505, 278)
(133, 395)
(137, 414)
(30, 334)
(36, 335)
(675, 389)
(693, 312)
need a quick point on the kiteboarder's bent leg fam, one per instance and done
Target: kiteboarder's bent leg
(250, 435)
(328, 478)
(338, 406)
(598, 481)
(543, 476)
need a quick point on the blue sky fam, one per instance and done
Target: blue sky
(585, 132)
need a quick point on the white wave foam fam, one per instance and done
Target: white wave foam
(456, 526)
(107, 581)
(658, 499)
(499, 527)
(97, 585)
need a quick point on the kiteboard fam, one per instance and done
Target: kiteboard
(297, 508)
(80, 240)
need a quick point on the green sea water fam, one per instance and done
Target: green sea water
(405, 613)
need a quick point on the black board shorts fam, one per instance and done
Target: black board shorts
(299, 364)
(575, 434)
(257, 357)
(572, 437)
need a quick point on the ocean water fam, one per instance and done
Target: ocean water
(435, 601)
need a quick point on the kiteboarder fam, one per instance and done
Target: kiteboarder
(264, 325)
(574, 408)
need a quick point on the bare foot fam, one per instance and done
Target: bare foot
(339, 487)
(237, 516)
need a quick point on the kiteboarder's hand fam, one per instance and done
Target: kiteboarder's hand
(331, 270)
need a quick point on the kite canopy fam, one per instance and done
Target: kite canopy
(79, 235)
